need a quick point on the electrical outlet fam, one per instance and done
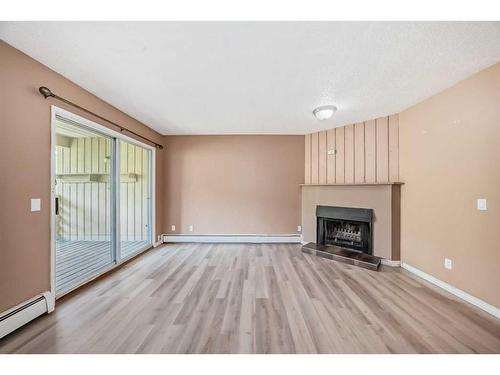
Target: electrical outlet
(481, 204)
(173, 228)
(191, 228)
(448, 264)
(299, 228)
(35, 204)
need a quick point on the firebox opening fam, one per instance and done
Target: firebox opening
(346, 234)
(345, 227)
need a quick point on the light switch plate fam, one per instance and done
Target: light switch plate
(173, 228)
(35, 204)
(448, 264)
(190, 228)
(481, 204)
(299, 228)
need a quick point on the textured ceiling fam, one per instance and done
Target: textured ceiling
(258, 77)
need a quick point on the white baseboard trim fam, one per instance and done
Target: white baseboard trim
(156, 244)
(26, 311)
(233, 238)
(495, 311)
(391, 263)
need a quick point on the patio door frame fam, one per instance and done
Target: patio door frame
(115, 192)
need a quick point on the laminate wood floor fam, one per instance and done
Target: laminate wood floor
(246, 298)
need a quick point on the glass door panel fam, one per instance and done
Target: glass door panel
(84, 207)
(135, 199)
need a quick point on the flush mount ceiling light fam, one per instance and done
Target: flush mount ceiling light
(324, 112)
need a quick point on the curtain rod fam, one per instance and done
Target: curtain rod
(49, 94)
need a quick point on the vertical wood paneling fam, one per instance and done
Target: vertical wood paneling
(359, 153)
(73, 196)
(322, 157)
(108, 187)
(123, 191)
(73, 162)
(354, 154)
(307, 159)
(340, 155)
(95, 155)
(314, 158)
(131, 195)
(85, 206)
(330, 157)
(349, 154)
(88, 155)
(135, 197)
(80, 209)
(88, 209)
(102, 212)
(81, 155)
(394, 148)
(66, 211)
(94, 190)
(123, 211)
(382, 149)
(370, 152)
(146, 160)
(144, 192)
(66, 160)
(73, 202)
(102, 155)
(138, 198)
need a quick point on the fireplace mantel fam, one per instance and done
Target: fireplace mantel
(357, 184)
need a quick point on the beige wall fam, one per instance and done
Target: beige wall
(383, 199)
(366, 152)
(449, 157)
(25, 169)
(233, 184)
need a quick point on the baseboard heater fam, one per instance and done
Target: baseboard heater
(25, 312)
(233, 238)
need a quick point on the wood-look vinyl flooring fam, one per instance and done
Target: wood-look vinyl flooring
(255, 298)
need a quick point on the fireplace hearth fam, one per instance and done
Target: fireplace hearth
(345, 227)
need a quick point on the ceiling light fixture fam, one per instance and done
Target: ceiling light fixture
(324, 112)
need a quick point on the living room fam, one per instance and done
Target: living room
(250, 187)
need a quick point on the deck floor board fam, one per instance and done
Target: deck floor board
(77, 261)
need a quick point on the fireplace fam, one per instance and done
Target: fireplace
(346, 227)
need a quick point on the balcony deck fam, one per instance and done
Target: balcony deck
(76, 261)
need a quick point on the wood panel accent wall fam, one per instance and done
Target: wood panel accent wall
(361, 153)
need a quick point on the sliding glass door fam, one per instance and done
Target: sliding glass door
(102, 202)
(135, 199)
(84, 188)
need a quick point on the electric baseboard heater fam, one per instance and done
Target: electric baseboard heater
(23, 313)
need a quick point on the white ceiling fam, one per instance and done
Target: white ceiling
(258, 77)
